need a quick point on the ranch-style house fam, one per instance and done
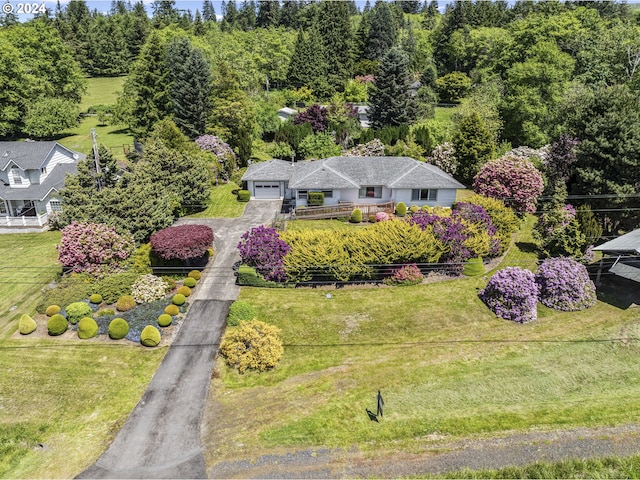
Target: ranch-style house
(31, 175)
(360, 180)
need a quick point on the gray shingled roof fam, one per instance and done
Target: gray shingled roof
(627, 243)
(27, 155)
(353, 172)
(54, 181)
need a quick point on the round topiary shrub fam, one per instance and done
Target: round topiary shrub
(125, 303)
(356, 216)
(78, 310)
(195, 274)
(87, 328)
(473, 267)
(27, 325)
(512, 294)
(164, 320)
(184, 290)
(57, 325)
(239, 312)
(172, 310)
(371, 219)
(564, 284)
(253, 345)
(150, 336)
(189, 282)
(414, 208)
(96, 299)
(401, 209)
(179, 299)
(244, 195)
(52, 310)
(118, 328)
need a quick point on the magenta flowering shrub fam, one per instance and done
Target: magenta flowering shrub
(512, 179)
(512, 294)
(262, 248)
(405, 275)
(374, 148)
(564, 284)
(182, 242)
(382, 216)
(94, 248)
(444, 157)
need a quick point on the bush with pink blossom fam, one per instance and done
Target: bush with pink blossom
(512, 294)
(374, 148)
(405, 275)
(94, 248)
(444, 157)
(564, 284)
(512, 179)
(382, 216)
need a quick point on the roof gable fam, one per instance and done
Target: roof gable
(30, 155)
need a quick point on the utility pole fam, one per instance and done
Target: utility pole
(96, 158)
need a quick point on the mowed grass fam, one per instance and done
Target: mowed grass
(446, 366)
(101, 91)
(222, 203)
(111, 136)
(70, 396)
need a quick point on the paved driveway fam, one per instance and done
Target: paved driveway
(161, 437)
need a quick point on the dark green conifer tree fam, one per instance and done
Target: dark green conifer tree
(334, 25)
(208, 12)
(307, 62)
(382, 32)
(268, 13)
(474, 146)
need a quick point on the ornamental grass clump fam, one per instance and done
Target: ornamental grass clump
(512, 294)
(405, 275)
(564, 284)
(148, 288)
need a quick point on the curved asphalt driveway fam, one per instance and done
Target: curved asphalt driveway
(161, 437)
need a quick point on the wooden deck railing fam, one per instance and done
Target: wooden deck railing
(342, 210)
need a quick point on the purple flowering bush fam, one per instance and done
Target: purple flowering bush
(512, 294)
(513, 179)
(564, 284)
(405, 275)
(94, 248)
(262, 248)
(222, 151)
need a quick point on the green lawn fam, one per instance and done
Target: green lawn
(101, 91)
(447, 368)
(111, 136)
(444, 114)
(71, 396)
(222, 203)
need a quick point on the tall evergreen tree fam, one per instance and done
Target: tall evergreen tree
(247, 15)
(473, 144)
(268, 13)
(198, 26)
(382, 31)
(208, 12)
(136, 29)
(108, 53)
(164, 13)
(189, 78)
(230, 16)
(392, 102)
(307, 62)
(290, 14)
(334, 25)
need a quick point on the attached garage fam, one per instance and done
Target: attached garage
(265, 190)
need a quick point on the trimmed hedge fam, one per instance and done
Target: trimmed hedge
(114, 286)
(118, 328)
(401, 209)
(244, 195)
(87, 328)
(125, 303)
(316, 199)
(240, 311)
(52, 310)
(96, 299)
(248, 276)
(473, 267)
(150, 336)
(356, 216)
(57, 325)
(27, 325)
(189, 282)
(182, 242)
(105, 312)
(195, 274)
(165, 320)
(78, 310)
(184, 290)
(179, 299)
(172, 310)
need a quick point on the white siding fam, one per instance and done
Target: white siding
(57, 156)
(446, 197)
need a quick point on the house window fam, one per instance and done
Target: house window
(427, 194)
(43, 170)
(17, 176)
(328, 193)
(302, 194)
(3, 208)
(56, 205)
(370, 192)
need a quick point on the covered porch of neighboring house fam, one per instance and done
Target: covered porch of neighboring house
(21, 213)
(621, 256)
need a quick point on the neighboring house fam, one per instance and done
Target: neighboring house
(353, 179)
(363, 115)
(286, 113)
(624, 256)
(31, 175)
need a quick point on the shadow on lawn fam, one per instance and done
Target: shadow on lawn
(617, 291)
(527, 247)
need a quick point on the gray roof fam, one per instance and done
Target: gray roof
(53, 181)
(272, 170)
(627, 243)
(354, 172)
(28, 155)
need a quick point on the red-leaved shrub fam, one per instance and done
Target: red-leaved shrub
(182, 242)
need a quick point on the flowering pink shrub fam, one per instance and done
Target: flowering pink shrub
(405, 275)
(94, 248)
(262, 248)
(182, 242)
(512, 294)
(564, 284)
(222, 151)
(512, 179)
(382, 216)
(444, 157)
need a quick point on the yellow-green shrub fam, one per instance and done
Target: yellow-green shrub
(87, 328)
(52, 310)
(172, 310)
(118, 328)
(179, 299)
(164, 320)
(501, 216)
(195, 274)
(57, 325)
(254, 345)
(150, 336)
(401, 209)
(184, 290)
(189, 282)
(78, 310)
(125, 303)
(96, 299)
(27, 325)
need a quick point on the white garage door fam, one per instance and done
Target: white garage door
(267, 190)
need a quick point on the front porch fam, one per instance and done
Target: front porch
(35, 220)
